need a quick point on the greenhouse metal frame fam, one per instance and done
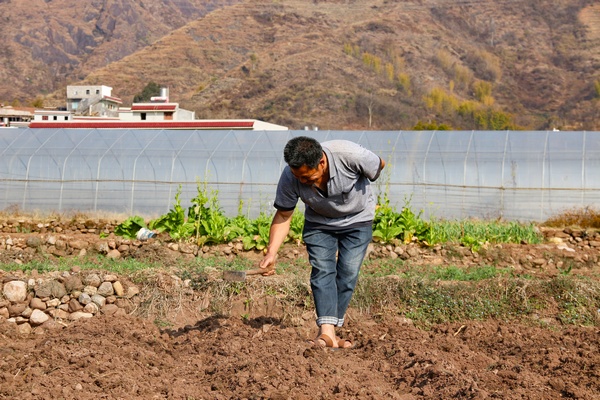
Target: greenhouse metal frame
(513, 175)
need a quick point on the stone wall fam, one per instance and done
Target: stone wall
(35, 303)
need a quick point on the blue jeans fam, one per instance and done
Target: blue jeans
(335, 257)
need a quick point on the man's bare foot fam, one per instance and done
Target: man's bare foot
(326, 337)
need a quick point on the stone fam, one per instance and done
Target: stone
(101, 247)
(106, 289)
(73, 283)
(84, 299)
(90, 290)
(412, 252)
(74, 305)
(53, 303)
(188, 248)
(59, 314)
(51, 288)
(38, 317)
(132, 291)
(16, 309)
(51, 324)
(109, 309)
(79, 314)
(78, 244)
(34, 242)
(113, 254)
(15, 291)
(100, 300)
(92, 280)
(110, 278)
(24, 329)
(91, 308)
(118, 288)
(37, 304)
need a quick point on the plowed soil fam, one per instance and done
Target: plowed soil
(212, 357)
(129, 358)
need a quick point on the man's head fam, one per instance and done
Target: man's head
(305, 157)
(302, 150)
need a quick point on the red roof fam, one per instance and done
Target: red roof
(115, 99)
(195, 124)
(153, 107)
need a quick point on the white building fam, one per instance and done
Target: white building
(90, 107)
(92, 101)
(15, 117)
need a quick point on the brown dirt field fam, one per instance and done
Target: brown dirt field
(130, 358)
(203, 356)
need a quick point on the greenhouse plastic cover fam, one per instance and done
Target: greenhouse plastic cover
(513, 175)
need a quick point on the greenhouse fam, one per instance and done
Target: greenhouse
(513, 175)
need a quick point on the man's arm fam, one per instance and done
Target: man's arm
(381, 166)
(280, 227)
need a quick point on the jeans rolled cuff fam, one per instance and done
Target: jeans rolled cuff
(337, 322)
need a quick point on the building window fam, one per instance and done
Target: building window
(143, 116)
(66, 118)
(97, 91)
(55, 118)
(44, 118)
(87, 91)
(168, 116)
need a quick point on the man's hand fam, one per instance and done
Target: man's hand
(277, 234)
(268, 264)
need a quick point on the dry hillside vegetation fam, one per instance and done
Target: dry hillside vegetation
(48, 44)
(371, 64)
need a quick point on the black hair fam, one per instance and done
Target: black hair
(302, 150)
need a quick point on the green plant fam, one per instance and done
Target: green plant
(453, 273)
(173, 222)
(431, 126)
(474, 234)
(389, 225)
(161, 323)
(471, 242)
(385, 224)
(257, 233)
(296, 227)
(130, 227)
(151, 89)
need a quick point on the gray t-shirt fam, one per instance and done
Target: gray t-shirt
(349, 200)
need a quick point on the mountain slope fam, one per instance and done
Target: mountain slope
(48, 43)
(379, 64)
